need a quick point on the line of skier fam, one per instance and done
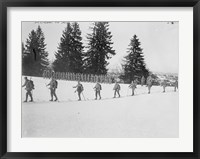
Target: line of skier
(53, 84)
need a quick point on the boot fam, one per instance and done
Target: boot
(31, 99)
(56, 98)
(26, 97)
(51, 97)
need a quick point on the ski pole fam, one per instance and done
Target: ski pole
(46, 85)
(83, 95)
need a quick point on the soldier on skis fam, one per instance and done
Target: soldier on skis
(149, 83)
(53, 86)
(97, 89)
(164, 85)
(116, 89)
(79, 89)
(133, 86)
(29, 87)
(175, 85)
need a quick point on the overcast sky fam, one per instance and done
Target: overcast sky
(159, 41)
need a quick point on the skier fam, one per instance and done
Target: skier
(53, 86)
(97, 89)
(175, 85)
(29, 87)
(142, 81)
(133, 86)
(79, 89)
(116, 89)
(149, 83)
(164, 85)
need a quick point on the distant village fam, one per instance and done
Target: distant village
(159, 77)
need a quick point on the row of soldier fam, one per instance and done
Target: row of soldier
(53, 84)
(79, 76)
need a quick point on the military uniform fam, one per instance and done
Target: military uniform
(79, 89)
(53, 87)
(133, 86)
(149, 83)
(97, 88)
(116, 89)
(29, 88)
(175, 85)
(164, 85)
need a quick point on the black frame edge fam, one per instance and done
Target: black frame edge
(3, 82)
(101, 3)
(196, 77)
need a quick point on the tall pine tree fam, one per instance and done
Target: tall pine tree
(99, 49)
(69, 57)
(35, 56)
(134, 62)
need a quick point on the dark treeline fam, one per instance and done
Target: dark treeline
(72, 56)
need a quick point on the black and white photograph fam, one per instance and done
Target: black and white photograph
(100, 79)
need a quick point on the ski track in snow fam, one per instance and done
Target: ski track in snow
(144, 115)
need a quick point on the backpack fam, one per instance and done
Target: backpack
(56, 84)
(98, 86)
(32, 84)
(82, 87)
(118, 87)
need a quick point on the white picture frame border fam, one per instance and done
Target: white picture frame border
(15, 15)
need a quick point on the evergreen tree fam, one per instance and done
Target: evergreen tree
(99, 49)
(134, 62)
(42, 55)
(70, 50)
(35, 59)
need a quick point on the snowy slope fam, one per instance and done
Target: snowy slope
(142, 115)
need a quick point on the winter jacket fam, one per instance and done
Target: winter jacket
(116, 86)
(28, 85)
(133, 85)
(79, 87)
(97, 87)
(149, 81)
(52, 84)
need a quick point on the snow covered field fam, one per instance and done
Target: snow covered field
(154, 115)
